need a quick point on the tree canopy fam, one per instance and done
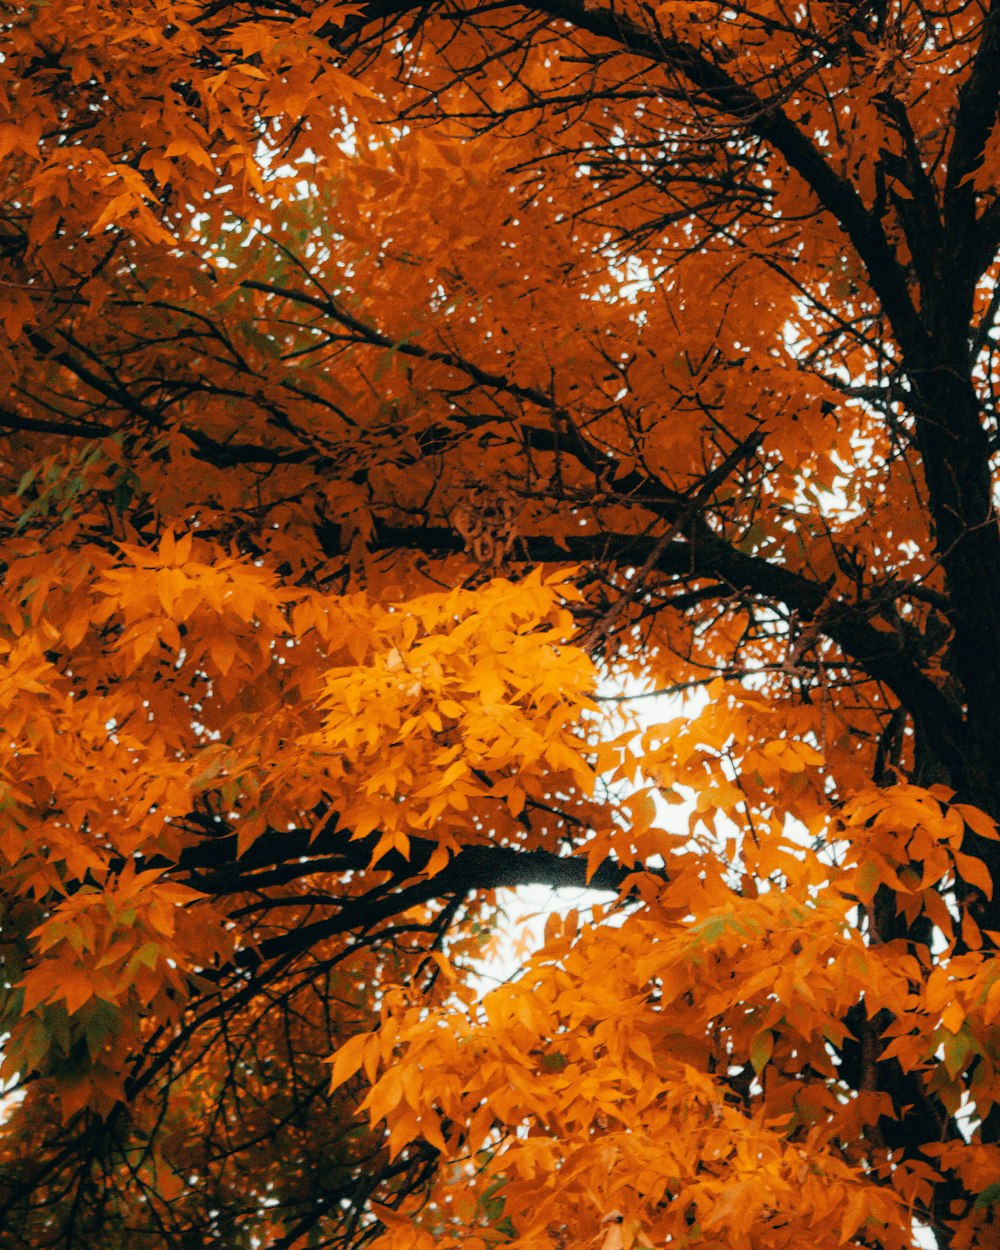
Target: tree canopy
(394, 395)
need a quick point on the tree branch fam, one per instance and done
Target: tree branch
(978, 99)
(704, 554)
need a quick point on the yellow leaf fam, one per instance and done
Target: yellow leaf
(348, 1060)
(953, 1017)
(974, 872)
(978, 821)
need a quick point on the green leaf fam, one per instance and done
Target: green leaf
(956, 1050)
(990, 1197)
(761, 1049)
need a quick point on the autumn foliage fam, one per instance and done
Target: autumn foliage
(454, 446)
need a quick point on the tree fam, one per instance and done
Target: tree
(395, 395)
